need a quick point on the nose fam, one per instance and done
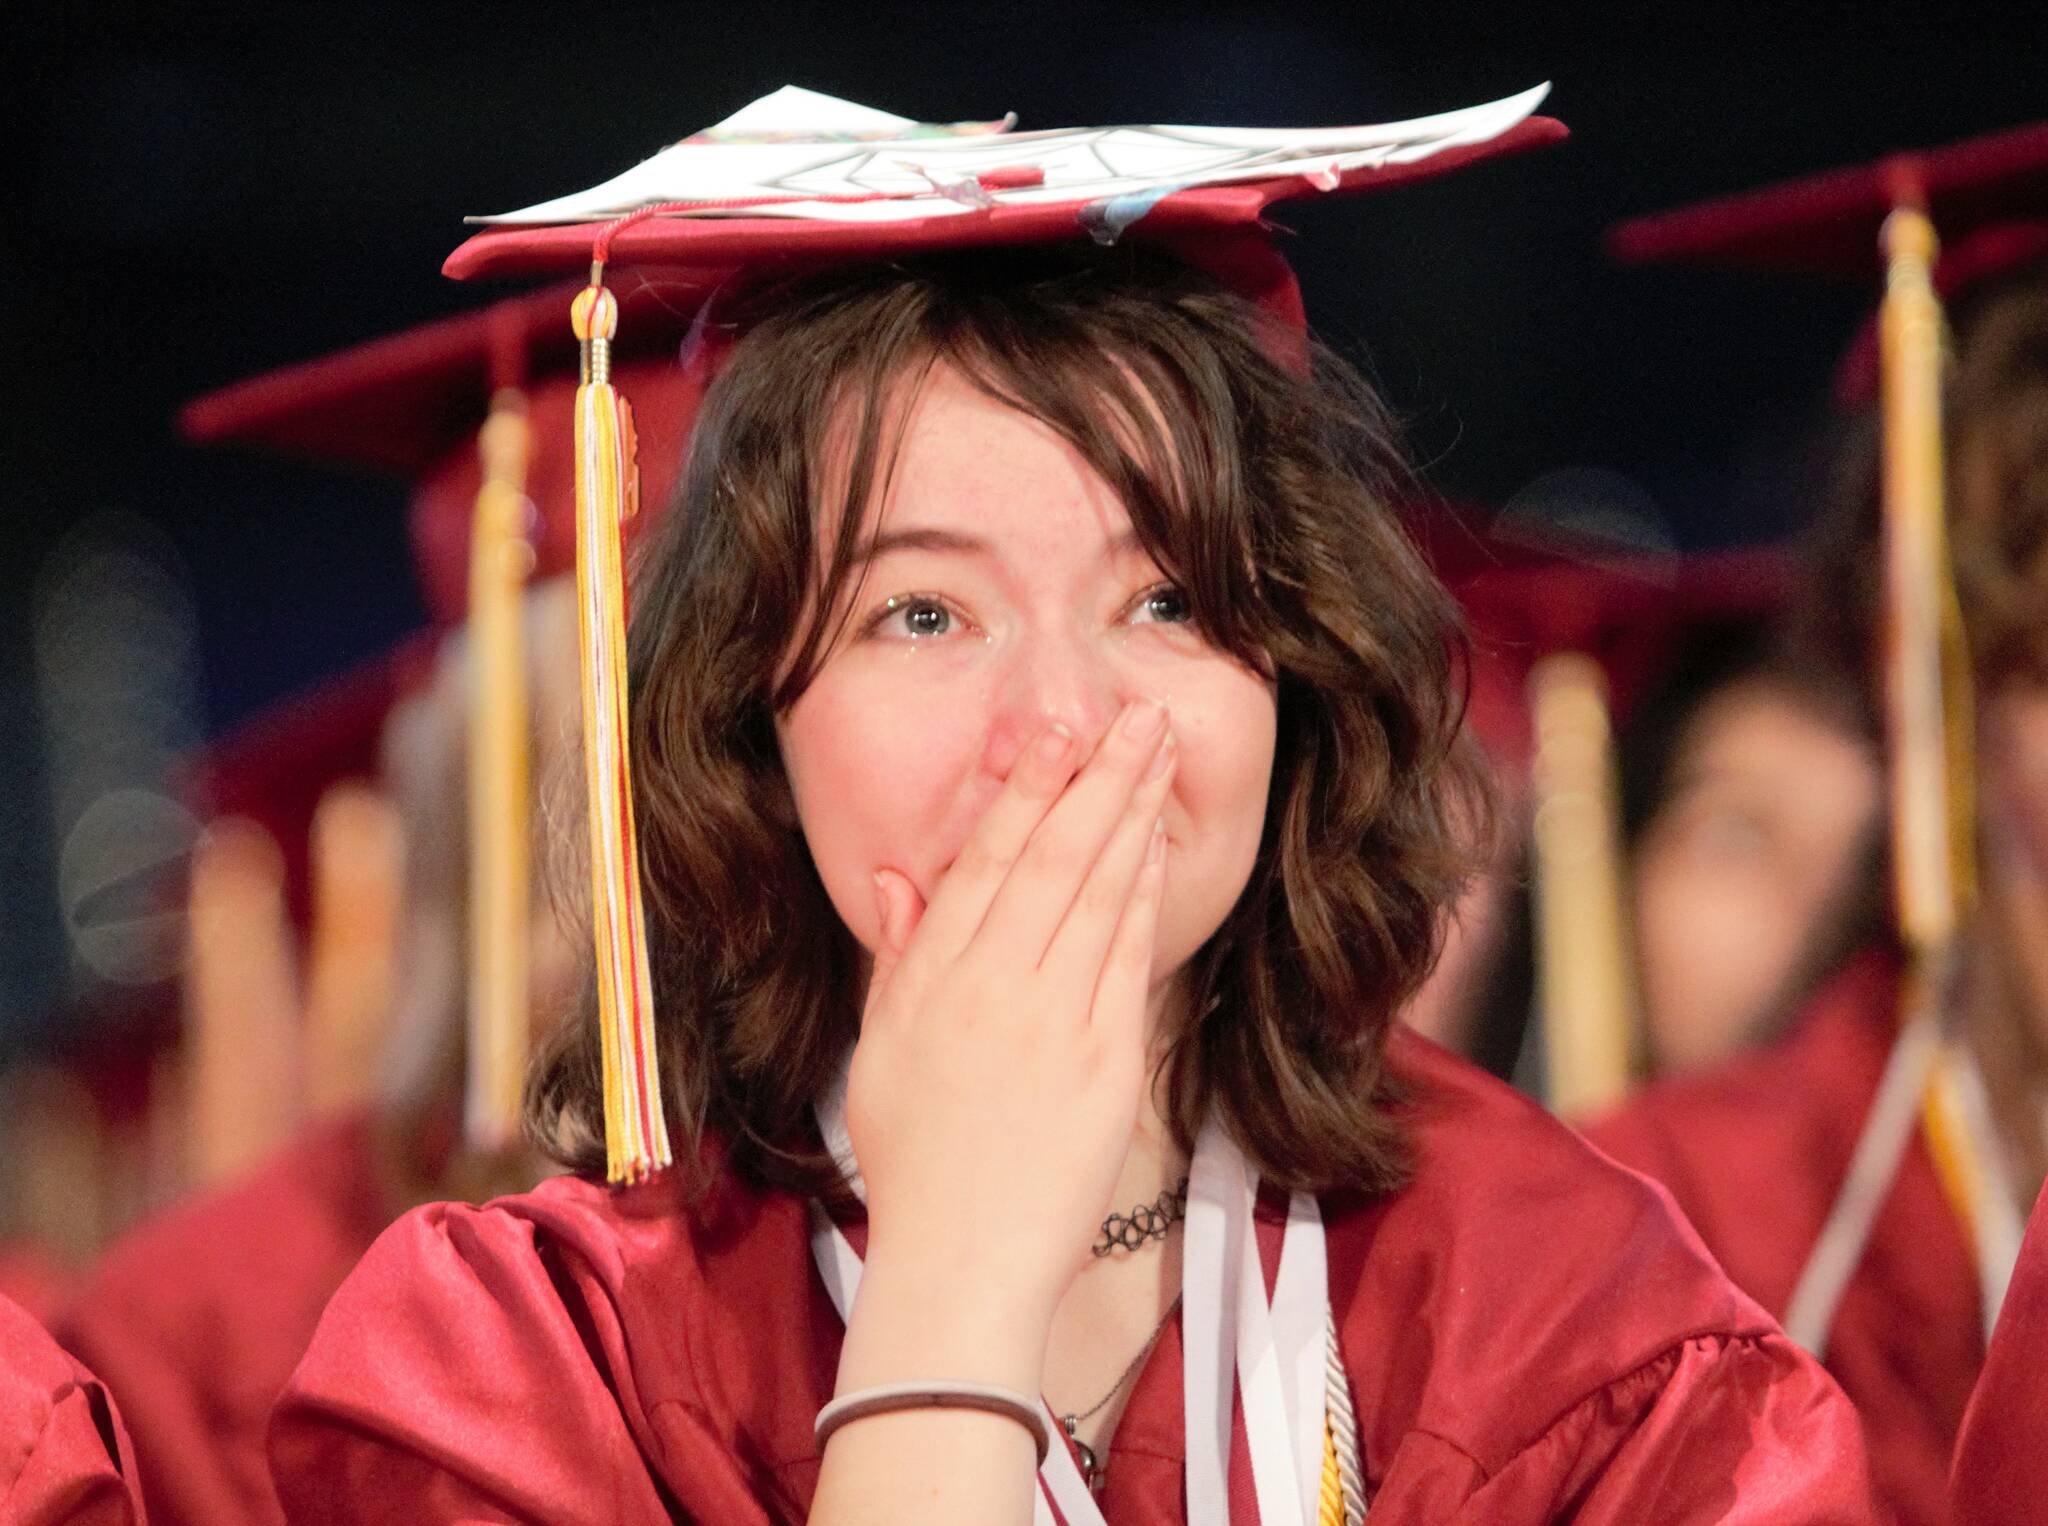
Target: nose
(1070, 681)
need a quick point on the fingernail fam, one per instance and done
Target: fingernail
(1052, 746)
(1162, 760)
(1156, 849)
(1144, 719)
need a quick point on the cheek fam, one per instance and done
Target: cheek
(880, 780)
(1217, 815)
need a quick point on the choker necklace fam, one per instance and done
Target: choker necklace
(1147, 1221)
(1091, 1464)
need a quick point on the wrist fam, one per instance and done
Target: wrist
(915, 1322)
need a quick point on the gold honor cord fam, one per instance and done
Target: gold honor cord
(1586, 985)
(241, 1004)
(500, 815)
(357, 861)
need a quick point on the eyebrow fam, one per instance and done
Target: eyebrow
(953, 542)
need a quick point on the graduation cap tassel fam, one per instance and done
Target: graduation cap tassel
(500, 852)
(636, 1134)
(1930, 714)
(1587, 993)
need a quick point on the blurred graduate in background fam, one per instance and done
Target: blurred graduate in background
(404, 1055)
(1865, 1178)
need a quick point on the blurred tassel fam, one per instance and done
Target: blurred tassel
(1929, 711)
(636, 1134)
(1583, 957)
(1919, 705)
(500, 817)
(241, 1003)
(53, 1168)
(358, 871)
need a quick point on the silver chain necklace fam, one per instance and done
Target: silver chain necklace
(1091, 1463)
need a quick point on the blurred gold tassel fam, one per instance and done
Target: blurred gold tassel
(1928, 711)
(358, 872)
(241, 1003)
(53, 1168)
(500, 815)
(1586, 983)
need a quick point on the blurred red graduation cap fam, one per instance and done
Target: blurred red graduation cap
(411, 405)
(1987, 197)
(1631, 612)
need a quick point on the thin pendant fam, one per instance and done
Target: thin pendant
(1091, 1466)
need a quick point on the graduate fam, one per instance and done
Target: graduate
(198, 1317)
(1028, 786)
(1739, 814)
(1752, 804)
(1865, 1178)
(64, 1453)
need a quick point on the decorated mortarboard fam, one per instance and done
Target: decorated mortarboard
(1987, 198)
(798, 180)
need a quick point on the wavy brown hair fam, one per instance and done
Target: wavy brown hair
(1262, 477)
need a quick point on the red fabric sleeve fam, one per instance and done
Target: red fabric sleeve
(469, 1371)
(1743, 1430)
(194, 1480)
(2001, 1463)
(64, 1457)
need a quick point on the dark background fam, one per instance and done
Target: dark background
(204, 193)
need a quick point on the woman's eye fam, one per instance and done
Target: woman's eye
(1164, 605)
(915, 617)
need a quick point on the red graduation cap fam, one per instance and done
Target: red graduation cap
(1987, 198)
(1630, 613)
(798, 180)
(412, 405)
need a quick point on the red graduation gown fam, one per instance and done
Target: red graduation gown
(1754, 1153)
(2001, 1462)
(64, 1457)
(32, 1278)
(1530, 1333)
(196, 1319)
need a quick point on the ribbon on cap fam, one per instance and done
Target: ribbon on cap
(607, 494)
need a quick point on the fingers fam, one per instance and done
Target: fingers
(897, 910)
(991, 851)
(1124, 988)
(1082, 941)
(1034, 899)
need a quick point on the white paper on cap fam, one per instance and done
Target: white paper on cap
(1077, 164)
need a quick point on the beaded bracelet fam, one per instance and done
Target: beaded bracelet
(888, 1398)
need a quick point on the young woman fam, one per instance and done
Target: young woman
(1037, 705)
